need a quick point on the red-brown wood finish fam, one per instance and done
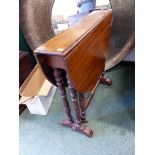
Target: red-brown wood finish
(63, 43)
(87, 60)
(76, 58)
(80, 50)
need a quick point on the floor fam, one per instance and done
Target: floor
(110, 115)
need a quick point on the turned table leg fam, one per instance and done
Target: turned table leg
(82, 108)
(62, 91)
(78, 126)
(74, 99)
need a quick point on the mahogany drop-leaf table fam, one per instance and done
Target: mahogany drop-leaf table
(76, 59)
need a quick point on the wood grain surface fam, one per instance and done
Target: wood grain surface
(87, 60)
(80, 50)
(63, 43)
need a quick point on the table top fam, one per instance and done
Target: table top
(80, 51)
(63, 43)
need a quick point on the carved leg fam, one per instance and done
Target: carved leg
(105, 81)
(74, 99)
(78, 126)
(82, 107)
(62, 91)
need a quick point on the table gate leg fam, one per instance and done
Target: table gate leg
(82, 108)
(62, 91)
(78, 126)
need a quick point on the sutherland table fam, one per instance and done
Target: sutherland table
(76, 58)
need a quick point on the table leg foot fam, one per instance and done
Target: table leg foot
(76, 127)
(66, 122)
(105, 81)
(83, 129)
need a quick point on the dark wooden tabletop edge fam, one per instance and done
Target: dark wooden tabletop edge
(36, 51)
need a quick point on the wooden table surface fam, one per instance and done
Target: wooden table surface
(68, 39)
(80, 50)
